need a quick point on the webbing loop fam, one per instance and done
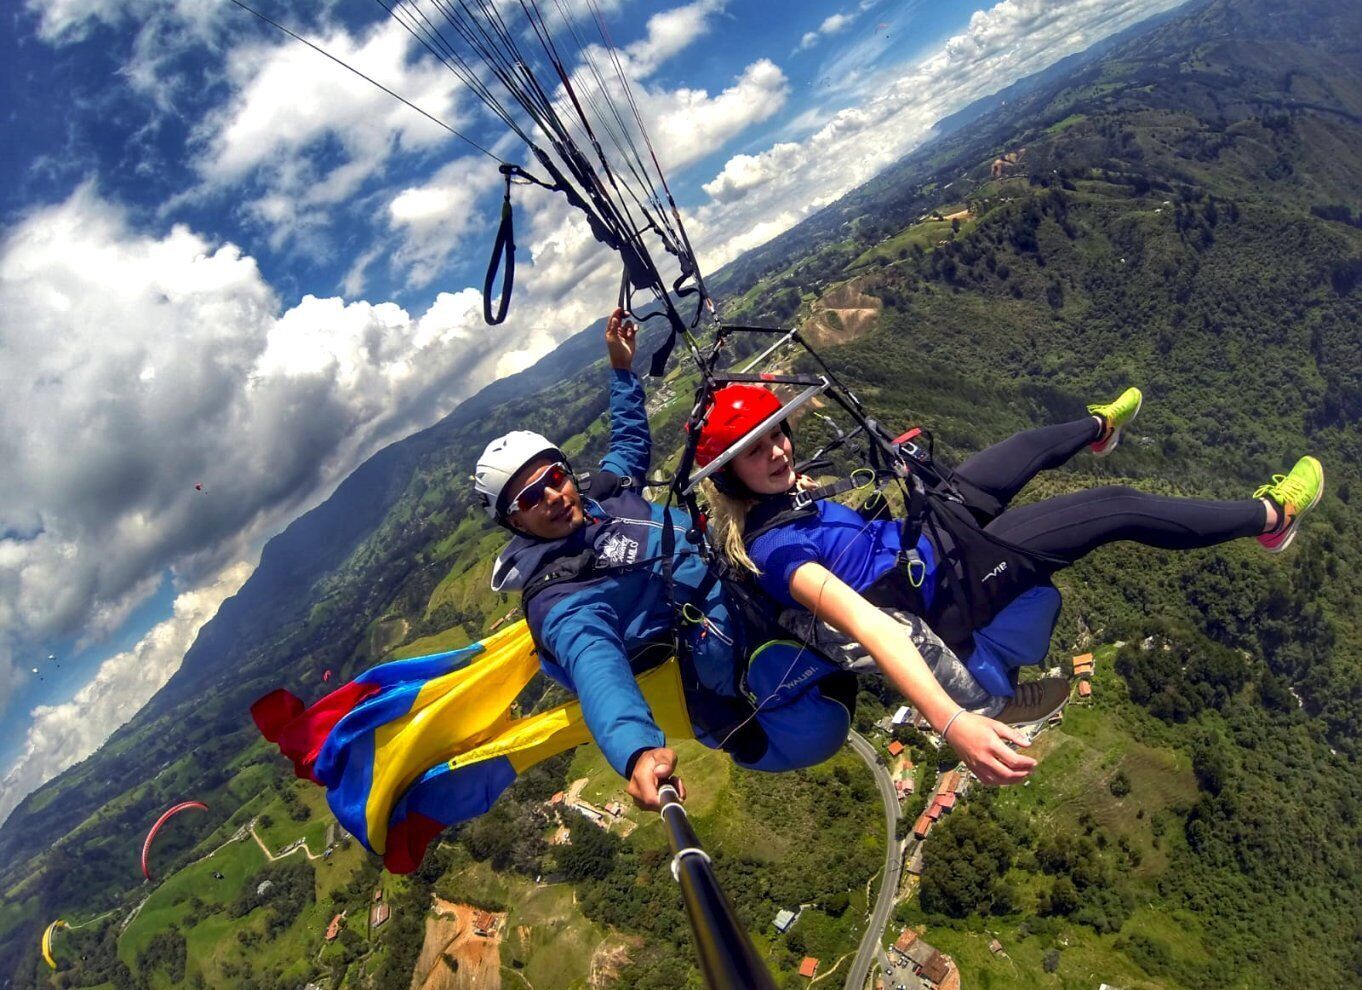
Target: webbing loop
(503, 249)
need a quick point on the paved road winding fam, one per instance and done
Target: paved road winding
(884, 904)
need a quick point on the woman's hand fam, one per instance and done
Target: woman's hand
(620, 334)
(982, 744)
(804, 483)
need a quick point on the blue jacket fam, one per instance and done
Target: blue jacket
(591, 629)
(861, 552)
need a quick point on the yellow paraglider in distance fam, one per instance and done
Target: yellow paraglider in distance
(47, 941)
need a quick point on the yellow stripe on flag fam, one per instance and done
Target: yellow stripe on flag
(451, 715)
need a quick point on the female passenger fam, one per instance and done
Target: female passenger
(976, 571)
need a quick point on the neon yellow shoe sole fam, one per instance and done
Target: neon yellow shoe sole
(1296, 493)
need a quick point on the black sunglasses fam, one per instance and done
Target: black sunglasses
(531, 495)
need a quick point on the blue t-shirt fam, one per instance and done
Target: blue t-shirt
(840, 539)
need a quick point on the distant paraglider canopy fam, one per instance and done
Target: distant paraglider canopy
(155, 829)
(48, 958)
(198, 487)
(326, 677)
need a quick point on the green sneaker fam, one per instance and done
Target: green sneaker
(1116, 415)
(1294, 494)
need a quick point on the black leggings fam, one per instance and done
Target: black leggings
(1070, 526)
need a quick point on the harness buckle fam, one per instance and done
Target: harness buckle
(802, 499)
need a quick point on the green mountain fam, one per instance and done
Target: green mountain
(1184, 213)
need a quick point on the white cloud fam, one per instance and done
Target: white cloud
(432, 219)
(60, 736)
(669, 33)
(288, 104)
(689, 123)
(137, 366)
(836, 23)
(832, 24)
(789, 181)
(66, 21)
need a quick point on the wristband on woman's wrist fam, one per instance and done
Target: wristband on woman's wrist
(950, 722)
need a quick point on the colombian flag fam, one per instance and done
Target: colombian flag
(411, 747)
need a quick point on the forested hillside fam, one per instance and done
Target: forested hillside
(1184, 214)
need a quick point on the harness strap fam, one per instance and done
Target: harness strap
(503, 249)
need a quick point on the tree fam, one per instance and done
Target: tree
(591, 852)
(1119, 785)
(1063, 898)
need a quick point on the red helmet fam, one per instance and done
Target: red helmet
(735, 412)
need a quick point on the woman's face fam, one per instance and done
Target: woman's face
(767, 467)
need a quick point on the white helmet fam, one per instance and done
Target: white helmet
(499, 463)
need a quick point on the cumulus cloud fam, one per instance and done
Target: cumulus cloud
(138, 366)
(690, 123)
(669, 33)
(775, 189)
(833, 24)
(286, 107)
(432, 219)
(62, 735)
(66, 21)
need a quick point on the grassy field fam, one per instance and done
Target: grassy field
(1078, 760)
(925, 235)
(547, 941)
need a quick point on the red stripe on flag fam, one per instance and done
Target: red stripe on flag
(300, 733)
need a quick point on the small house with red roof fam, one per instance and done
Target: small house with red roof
(809, 967)
(905, 941)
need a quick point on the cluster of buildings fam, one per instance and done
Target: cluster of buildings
(485, 923)
(949, 789)
(606, 817)
(1083, 673)
(936, 970)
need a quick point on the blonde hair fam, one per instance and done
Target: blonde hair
(727, 521)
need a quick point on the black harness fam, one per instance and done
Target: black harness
(982, 573)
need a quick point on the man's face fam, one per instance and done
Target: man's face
(552, 507)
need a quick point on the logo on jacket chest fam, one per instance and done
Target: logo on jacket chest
(617, 550)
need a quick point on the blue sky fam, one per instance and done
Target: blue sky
(224, 261)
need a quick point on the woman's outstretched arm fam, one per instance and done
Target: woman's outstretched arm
(980, 741)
